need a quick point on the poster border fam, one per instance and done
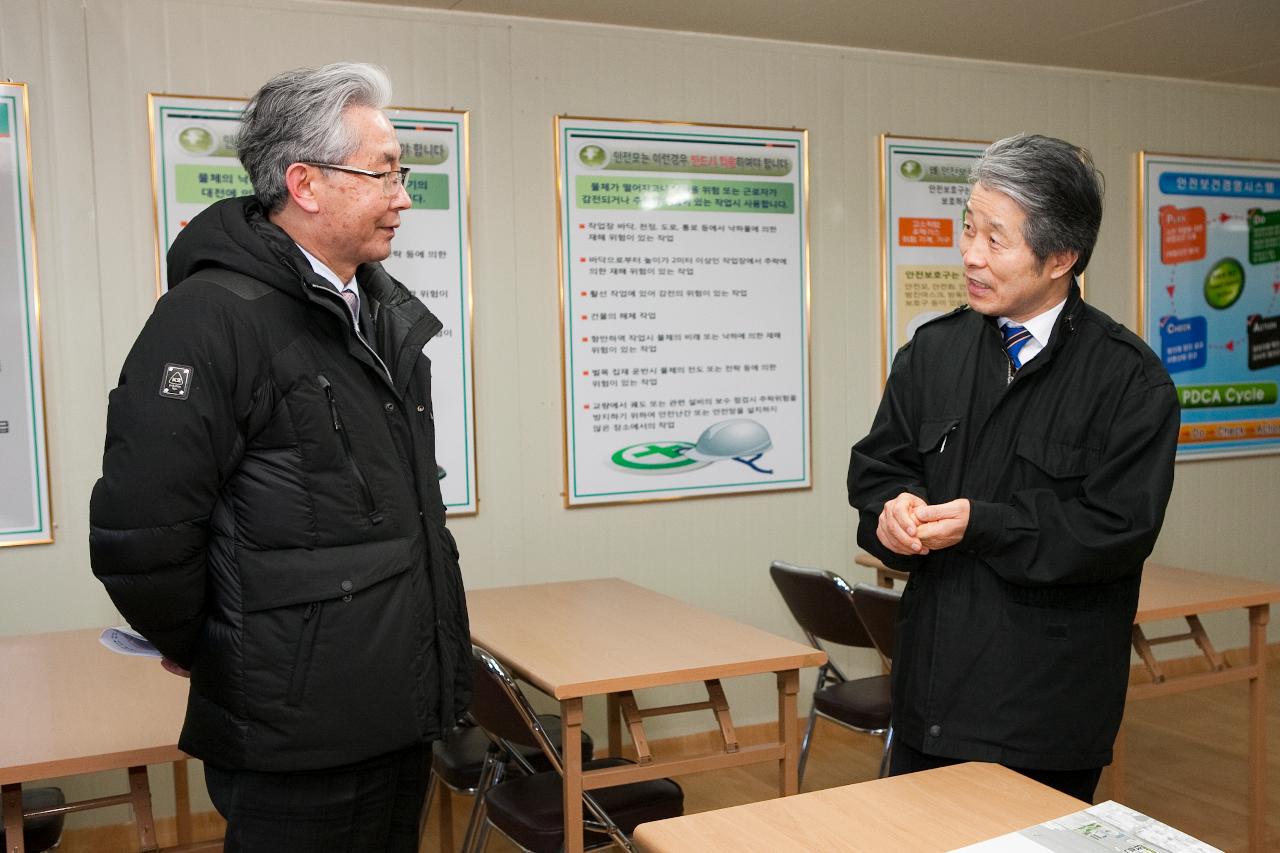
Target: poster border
(1144, 292)
(807, 387)
(34, 331)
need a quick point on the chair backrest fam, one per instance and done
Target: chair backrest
(501, 709)
(878, 609)
(822, 604)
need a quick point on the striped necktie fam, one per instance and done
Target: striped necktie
(1014, 339)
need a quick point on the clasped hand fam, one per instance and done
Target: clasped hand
(910, 526)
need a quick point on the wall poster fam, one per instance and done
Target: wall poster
(685, 309)
(193, 164)
(25, 506)
(924, 186)
(1210, 256)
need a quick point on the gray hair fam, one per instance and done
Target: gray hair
(1056, 185)
(298, 116)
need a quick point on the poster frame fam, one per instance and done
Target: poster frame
(558, 163)
(45, 533)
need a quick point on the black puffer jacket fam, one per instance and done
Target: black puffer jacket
(269, 513)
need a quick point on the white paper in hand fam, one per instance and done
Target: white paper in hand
(126, 641)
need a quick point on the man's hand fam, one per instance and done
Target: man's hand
(942, 525)
(170, 666)
(897, 528)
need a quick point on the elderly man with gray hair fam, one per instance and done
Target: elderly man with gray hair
(269, 513)
(1018, 467)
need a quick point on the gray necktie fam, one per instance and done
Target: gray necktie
(353, 302)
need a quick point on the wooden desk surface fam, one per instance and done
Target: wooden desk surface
(583, 638)
(69, 705)
(933, 810)
(1169, 592)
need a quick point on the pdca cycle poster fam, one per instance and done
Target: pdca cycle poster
(194, 164)
(685, 315)
(25, 506)
(924, 187)
(1211, 296)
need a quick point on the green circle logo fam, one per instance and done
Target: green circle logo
(656, 457)
(196, 139)
(593, 156)
(1224, 283)
(911, 170)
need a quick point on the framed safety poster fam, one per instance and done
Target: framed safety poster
(924, 185)
(194, 164)
(684, 288)
(1210, 296)
(26, 512)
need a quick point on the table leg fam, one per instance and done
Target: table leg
(613, 714)
(140, 794)
(1258, 617)
(1117, 766)
(571, 741)
(182, 800)
(788, 767)
(11, 806)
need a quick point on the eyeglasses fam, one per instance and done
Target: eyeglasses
(392, 179)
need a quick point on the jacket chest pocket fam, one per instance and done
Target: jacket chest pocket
(938, 443)
(1054, 465)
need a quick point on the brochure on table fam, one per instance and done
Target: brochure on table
(684, 290)
(194, 164)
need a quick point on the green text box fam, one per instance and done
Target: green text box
(1228, 394)
(1264, 237)
(609, 193)
(195, 184)
(428, 190)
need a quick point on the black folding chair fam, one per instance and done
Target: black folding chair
(530, 810)
(822, 604)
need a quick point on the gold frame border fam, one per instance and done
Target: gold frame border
(808, 314)
(882, 160)
(1143, 154)
(39, 324)
(469, 356)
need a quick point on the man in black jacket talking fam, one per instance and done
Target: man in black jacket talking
(269, 513)
(1019, 467)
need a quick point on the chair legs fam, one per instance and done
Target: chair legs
(804, 746)
(888, 751)
(495, 767)
(433, 782)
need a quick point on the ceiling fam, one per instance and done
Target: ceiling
(1229, 41)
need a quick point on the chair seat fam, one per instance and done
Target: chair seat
(459, 758)
(40, 833)
(864, 703)
(530, 809)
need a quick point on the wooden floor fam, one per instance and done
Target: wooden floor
(1186, 757)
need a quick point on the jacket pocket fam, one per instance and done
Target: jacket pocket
(1056, 465)
(304, 652)
(932, 440)
(368, 505)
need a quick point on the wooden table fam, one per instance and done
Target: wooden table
(68, 706)
(1169, 592)
(609, 637)
(932, 810)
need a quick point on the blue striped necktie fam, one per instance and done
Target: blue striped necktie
(1014, 339)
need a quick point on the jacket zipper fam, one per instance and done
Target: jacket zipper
(356, 330)
(303, 654)
(371, 509)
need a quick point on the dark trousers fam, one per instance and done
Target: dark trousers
(369, 807)
(1076, 783)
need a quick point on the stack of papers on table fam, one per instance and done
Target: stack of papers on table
(1107, 827)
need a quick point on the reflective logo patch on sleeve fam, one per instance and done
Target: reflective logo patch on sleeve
(176, 383)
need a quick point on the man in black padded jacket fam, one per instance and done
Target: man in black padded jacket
(269, 513)
(1018, 467)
